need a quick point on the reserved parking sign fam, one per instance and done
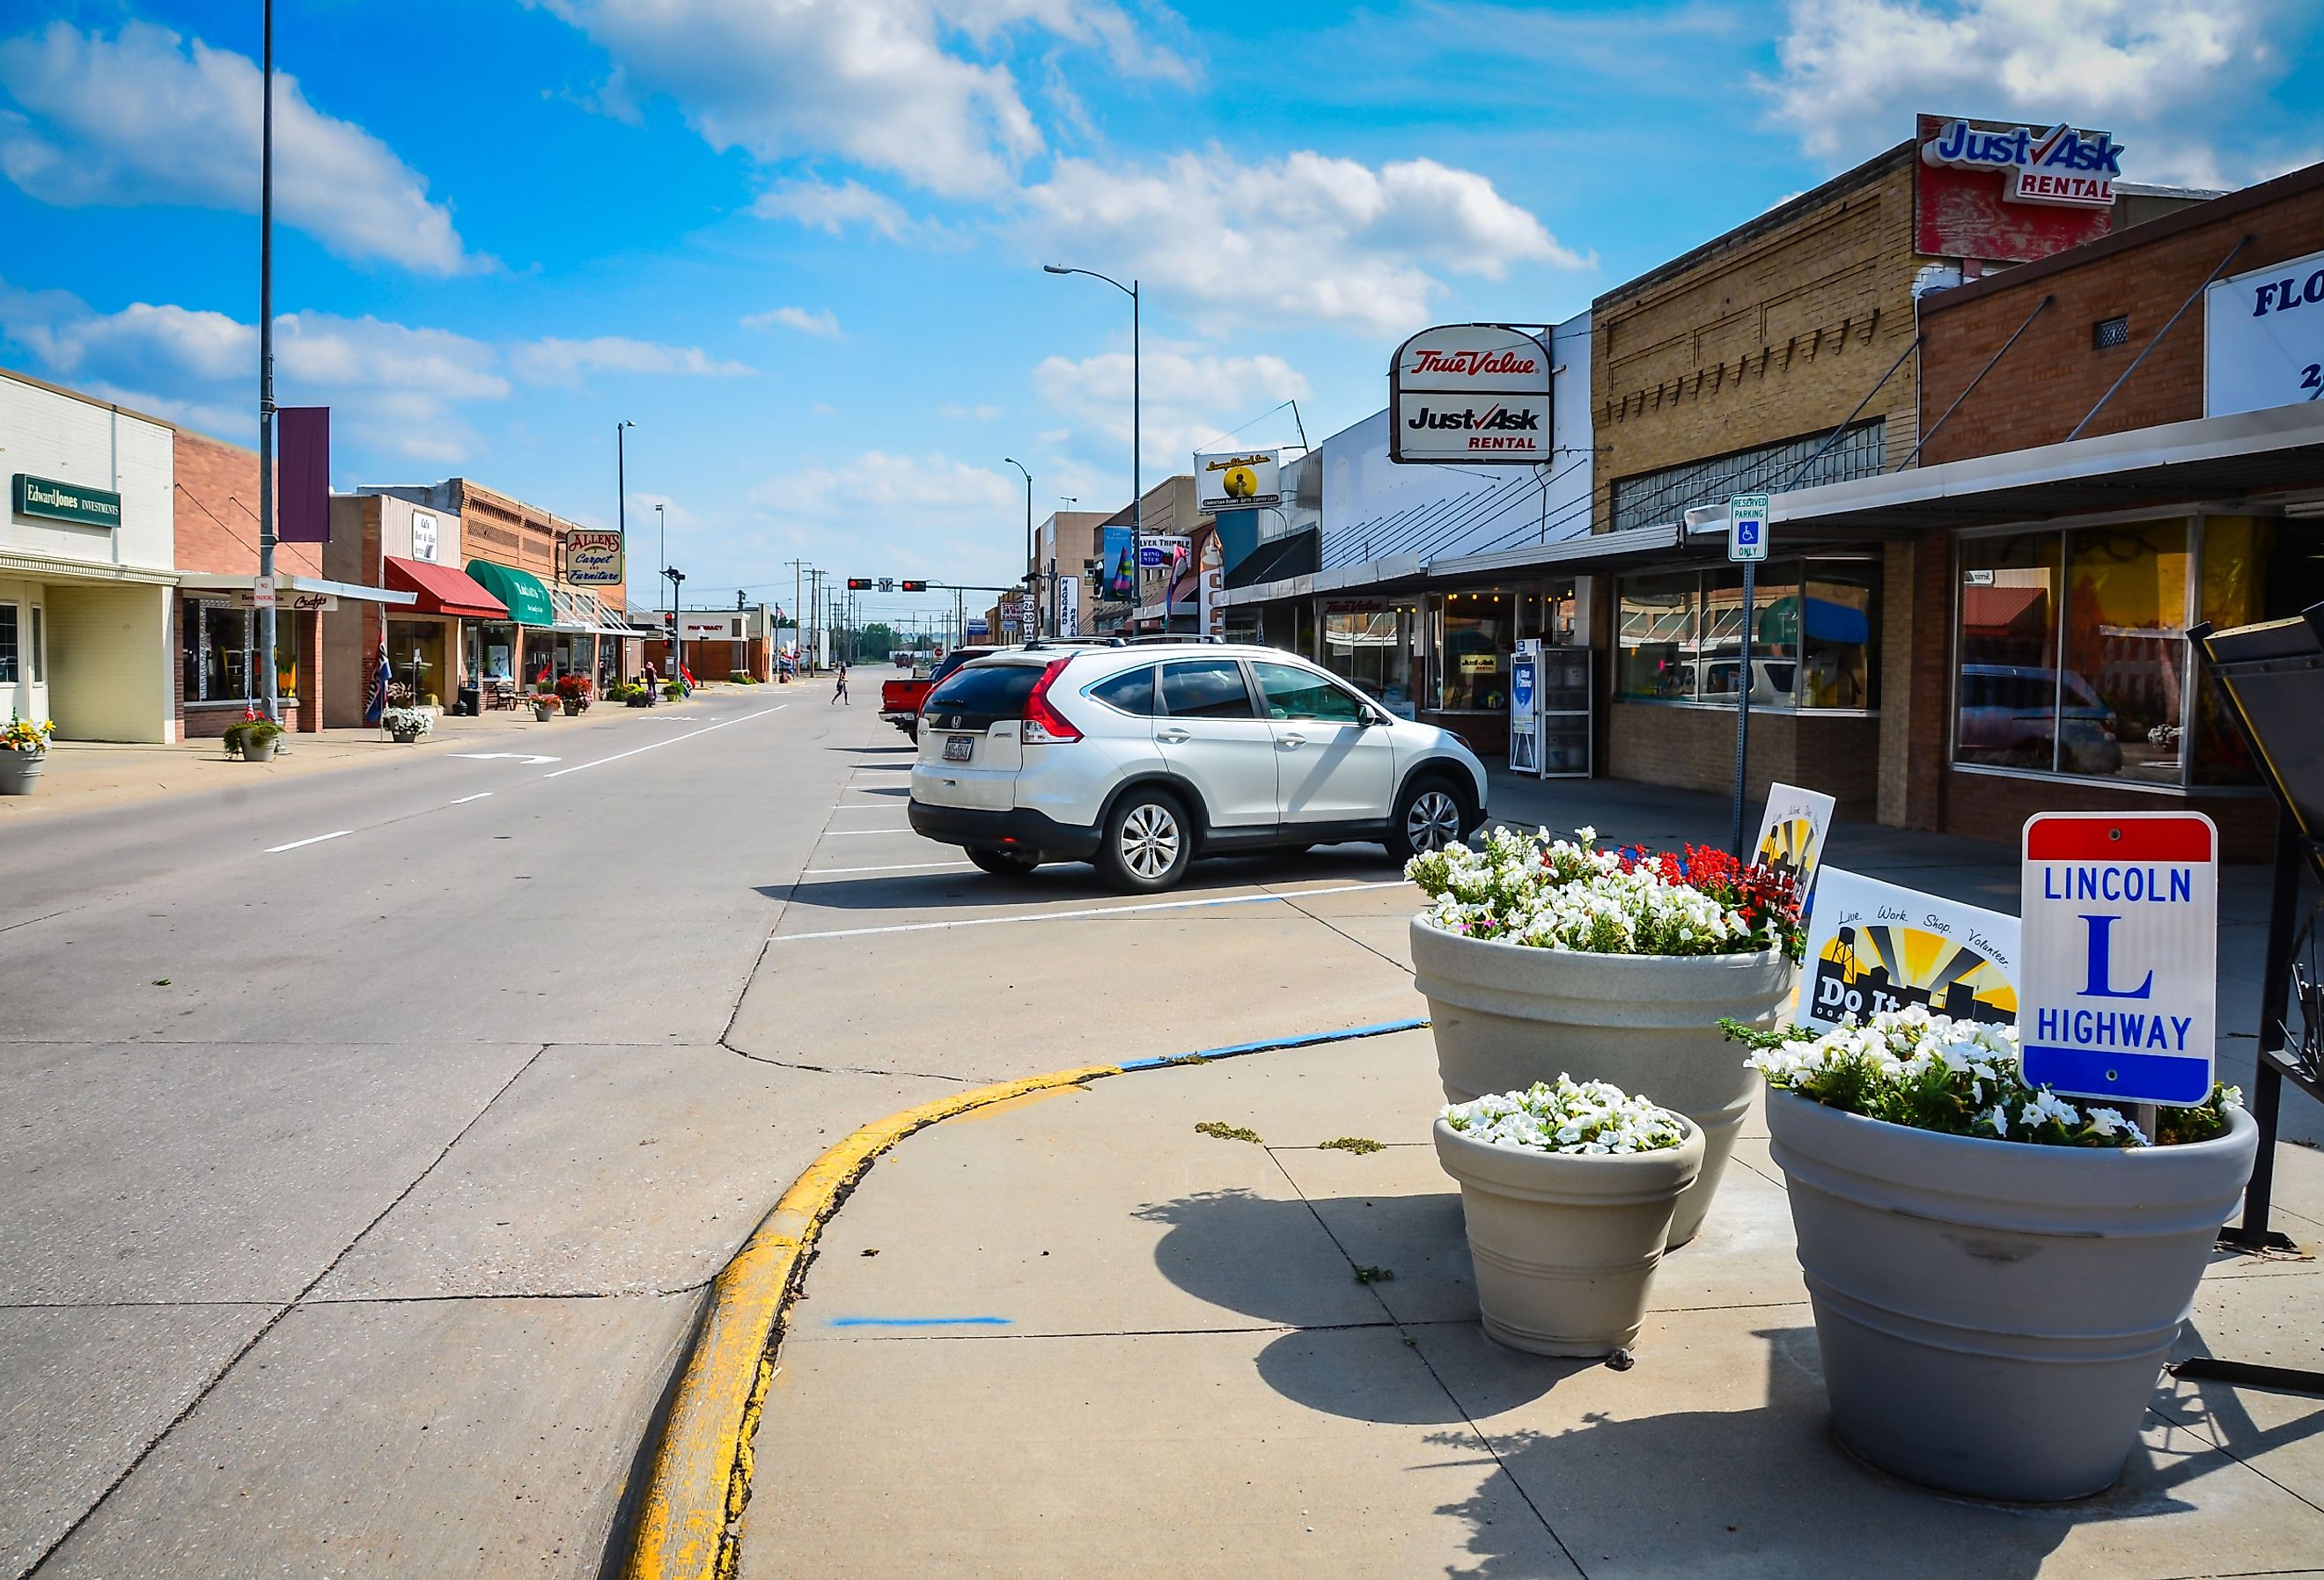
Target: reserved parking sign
(2118, 987)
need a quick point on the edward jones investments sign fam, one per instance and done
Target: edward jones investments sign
(64, 501)
(1476, 393)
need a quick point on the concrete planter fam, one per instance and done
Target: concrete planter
(544, 711)
(1506, 1015)
(255, 749)
(1993, 1316)
(20, 771)
(1566, 1247)
(405, 737)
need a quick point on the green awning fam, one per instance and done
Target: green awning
(527, 601)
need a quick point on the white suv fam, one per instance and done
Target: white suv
(1139, 758)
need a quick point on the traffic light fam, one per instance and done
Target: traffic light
(859, 584)
(916, 587)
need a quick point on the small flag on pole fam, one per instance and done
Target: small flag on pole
(375, 706)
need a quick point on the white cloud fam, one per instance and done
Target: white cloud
(831, 207)
(953, 410)
(392, 386)
(1301, 238)
(2169, 77)
(867, 79)
(879, 481)
(825, 322)
(144, 118)
(552, 361)
(1188, 398)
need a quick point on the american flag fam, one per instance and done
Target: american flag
(375, 707)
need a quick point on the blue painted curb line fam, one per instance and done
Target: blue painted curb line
(1305, 1039)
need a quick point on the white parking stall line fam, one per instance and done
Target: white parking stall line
(898, 867)
(674, 740)
(845, 832)
(464, 800)
(318, 839)
(966, 922)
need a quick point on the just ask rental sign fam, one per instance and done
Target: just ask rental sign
(2060, 166)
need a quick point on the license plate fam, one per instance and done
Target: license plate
(958, 747)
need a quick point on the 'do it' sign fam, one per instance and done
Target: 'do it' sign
(2117, 993)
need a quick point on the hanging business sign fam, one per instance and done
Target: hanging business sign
(1160, 548)
(2122, 934)
(63, 501)
(1238, 480)
(1792, 833)
(1874, 946)
(307, 603)
(2264, 337)
(594, 559)
(1998, 193)
(1475, 393)
(423, 536)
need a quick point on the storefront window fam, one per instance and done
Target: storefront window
(1369, 647)
(36, 650)
(8, 665)
(2008, 682)
(2126, 648)
(2073, 646)
(217, 653)
(1836, 615)
(1774, 637)
(1814, 625)
(1656, 645)
(2254, 568)
(1478, 635)
(415, 651)
(492, 652)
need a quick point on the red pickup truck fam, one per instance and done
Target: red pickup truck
(900, 700)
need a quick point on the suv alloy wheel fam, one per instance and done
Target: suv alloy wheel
(1429, 815)
(1147, 842)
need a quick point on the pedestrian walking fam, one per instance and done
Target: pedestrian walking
(839, 693)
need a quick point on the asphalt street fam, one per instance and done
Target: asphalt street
(372, 1135)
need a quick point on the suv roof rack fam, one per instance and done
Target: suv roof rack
(1157, 638)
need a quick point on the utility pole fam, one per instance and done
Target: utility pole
(798, 625)
(266, 377)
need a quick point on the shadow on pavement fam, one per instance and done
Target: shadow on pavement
(1059, 881)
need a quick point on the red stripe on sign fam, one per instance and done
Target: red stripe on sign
(2096, 836)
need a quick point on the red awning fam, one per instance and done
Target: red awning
(444, 590)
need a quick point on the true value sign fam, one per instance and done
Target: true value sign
(2117, 989)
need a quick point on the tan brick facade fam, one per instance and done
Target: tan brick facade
(1774, 331)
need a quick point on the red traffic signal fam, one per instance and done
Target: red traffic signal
(859, 584)
(915, 586)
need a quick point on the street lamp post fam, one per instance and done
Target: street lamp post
(669, 647)
(1136, 487)
(1032, 557)
(621, 505)
(267, 378)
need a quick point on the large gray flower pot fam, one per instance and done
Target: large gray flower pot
(1506, 1015)
(1993, 1316)
(1565, 1246)
(21, 770)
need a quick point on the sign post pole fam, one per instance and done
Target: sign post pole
(1746, 542)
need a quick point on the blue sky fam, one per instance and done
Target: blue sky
(797, 240)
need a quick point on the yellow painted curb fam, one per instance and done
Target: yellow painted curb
(700, 1475)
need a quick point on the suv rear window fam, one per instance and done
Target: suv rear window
(1131, 691)
(980, 694)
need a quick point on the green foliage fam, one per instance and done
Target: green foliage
(1228, 1132)
(1360, 1145)
(1375, 1275)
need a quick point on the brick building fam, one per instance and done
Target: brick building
(516, 552)
(2084, 593)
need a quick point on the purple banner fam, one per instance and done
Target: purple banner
(302, 507)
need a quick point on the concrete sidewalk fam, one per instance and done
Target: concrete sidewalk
(1071, 1336)
(82, 775)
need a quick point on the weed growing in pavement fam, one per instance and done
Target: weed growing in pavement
(1187, 1058)
(1228, 1132)
(1375, 1275)
(1359, 1145)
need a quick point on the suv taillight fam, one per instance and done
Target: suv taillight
(1044, 725)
